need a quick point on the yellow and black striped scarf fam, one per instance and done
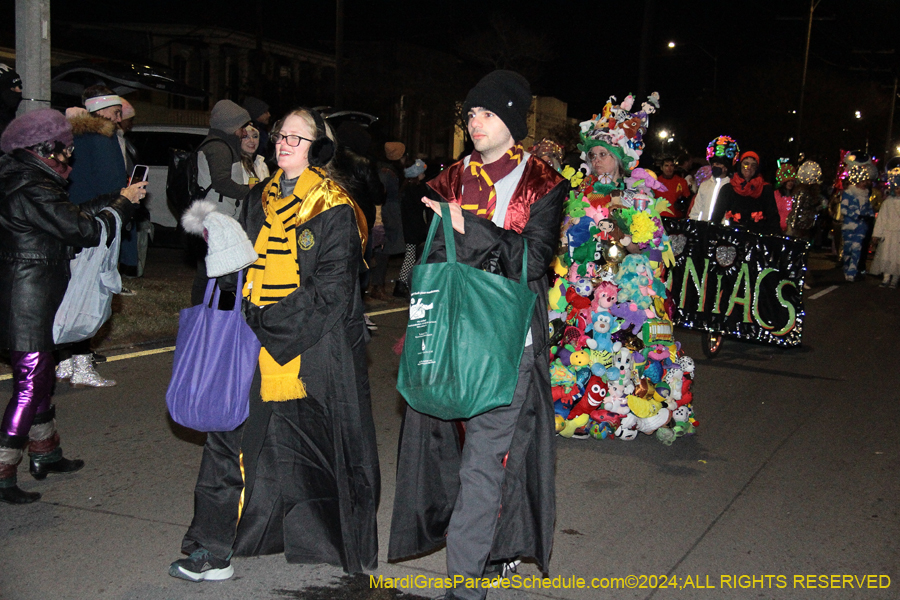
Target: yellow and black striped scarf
(275, 274)
(478, 180)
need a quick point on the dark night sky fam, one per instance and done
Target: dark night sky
(592, 49)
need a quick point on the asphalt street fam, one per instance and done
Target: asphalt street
(791, 483)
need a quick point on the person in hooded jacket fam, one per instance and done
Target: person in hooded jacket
(749, 201)
(219, 168)
(40, 229)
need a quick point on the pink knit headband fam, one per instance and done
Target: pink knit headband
(101, 102)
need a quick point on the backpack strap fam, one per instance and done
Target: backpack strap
(230, 151)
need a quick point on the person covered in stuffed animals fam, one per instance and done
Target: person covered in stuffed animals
(749, 202)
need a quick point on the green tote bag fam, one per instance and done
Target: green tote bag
(465, 336)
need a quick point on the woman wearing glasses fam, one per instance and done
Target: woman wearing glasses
(300, 476)
(39, 231)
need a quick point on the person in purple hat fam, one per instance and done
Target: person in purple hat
(39, 231)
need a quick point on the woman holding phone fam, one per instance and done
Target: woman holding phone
(40, 229)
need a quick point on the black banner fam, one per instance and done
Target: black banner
(742, 284)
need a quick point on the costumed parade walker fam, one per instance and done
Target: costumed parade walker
(730, 282)
(616, 369)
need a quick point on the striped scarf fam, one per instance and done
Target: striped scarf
(275, 274)
(478, 180)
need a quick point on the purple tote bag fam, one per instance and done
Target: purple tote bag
(216, 354)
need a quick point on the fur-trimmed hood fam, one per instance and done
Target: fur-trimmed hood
(85, 122)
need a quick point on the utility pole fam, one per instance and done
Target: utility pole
(33, 53)
(339, 55)
(890, 129)
(812, 8)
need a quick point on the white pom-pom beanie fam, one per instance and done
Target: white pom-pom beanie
(229, 248)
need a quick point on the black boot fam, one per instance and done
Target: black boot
(14, 495)
(10, 455)
(46, 455)
(401, 290)
(39, 469)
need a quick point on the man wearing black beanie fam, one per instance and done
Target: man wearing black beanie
(485, 486)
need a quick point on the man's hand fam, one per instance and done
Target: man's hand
(456, 216)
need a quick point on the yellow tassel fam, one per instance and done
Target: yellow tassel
(280, 383)
(282, 388)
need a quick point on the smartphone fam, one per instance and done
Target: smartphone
(139, 174)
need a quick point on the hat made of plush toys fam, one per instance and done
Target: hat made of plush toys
(810, 172)
(724, 148)
(506, 94)
(230, 249)
(619, 130)
(786, 172)
(34, 127)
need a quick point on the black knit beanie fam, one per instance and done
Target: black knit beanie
(506, 94)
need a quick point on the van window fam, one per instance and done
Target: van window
(153, 146)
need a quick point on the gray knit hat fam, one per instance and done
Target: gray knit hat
(506, 94)
(229, 248)
(228, 116)
(255, 107)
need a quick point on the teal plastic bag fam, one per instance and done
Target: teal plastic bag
(465, 336)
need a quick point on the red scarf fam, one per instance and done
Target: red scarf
(478, 180)
(752, 188)
(62, 169)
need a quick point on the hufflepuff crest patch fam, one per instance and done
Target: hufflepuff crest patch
(306, 240)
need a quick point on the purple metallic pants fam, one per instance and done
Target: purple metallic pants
(33, 374)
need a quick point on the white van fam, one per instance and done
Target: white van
(152, 143)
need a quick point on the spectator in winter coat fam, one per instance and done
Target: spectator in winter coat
(98, 168)
(40, 230)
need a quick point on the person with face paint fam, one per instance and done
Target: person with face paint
(10, 95)
(748, 202)
(721, 153)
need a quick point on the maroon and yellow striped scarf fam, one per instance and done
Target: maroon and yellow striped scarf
(478, 180)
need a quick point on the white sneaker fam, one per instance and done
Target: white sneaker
(369, 324)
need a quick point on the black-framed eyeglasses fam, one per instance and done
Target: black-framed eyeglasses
(290, 140)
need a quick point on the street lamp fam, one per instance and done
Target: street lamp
(663, 134)
(714, 58)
